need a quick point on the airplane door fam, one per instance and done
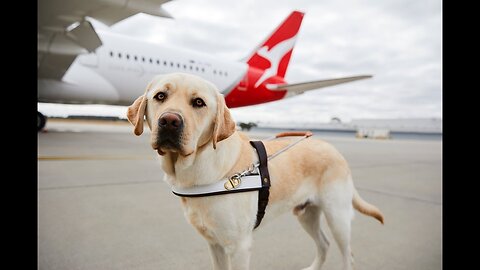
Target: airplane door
(90, 60)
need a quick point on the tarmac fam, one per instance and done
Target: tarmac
(103, 204)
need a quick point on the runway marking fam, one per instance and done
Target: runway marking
(120, 122)
(56, 158)
(101, 185)
(398, 195)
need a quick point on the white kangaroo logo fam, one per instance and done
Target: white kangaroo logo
(274, 55)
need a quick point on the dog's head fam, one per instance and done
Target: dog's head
(184, 112)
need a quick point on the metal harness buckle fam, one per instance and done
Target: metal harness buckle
(233, 182)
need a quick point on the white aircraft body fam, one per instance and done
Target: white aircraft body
(119, 70)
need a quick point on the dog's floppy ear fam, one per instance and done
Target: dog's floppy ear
(135, 114)
(224, 124)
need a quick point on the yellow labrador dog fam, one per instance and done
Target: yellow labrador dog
(193, 132)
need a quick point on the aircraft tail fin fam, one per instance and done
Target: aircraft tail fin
(273, 54)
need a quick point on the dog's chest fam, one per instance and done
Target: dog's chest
(200, 215)
(216, 218)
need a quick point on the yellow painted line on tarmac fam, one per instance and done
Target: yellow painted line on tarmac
(90, 121)
(56, 158)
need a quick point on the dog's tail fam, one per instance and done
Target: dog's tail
(366, 208)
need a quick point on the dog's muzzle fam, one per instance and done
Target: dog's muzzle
(170, 128)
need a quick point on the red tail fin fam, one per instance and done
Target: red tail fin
(274, 53)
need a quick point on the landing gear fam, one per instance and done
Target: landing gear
(41, 121)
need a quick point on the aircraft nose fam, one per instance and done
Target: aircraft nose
(170, 121)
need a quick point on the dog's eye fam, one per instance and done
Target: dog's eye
(160, 96)
(198, 102)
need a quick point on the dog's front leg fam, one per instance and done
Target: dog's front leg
(219, 257)
(239, 254)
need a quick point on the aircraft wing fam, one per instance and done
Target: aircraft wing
(65, 32)
(299, 88)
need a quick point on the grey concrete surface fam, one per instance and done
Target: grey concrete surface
(102, 204)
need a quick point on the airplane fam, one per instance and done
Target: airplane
(78, 64)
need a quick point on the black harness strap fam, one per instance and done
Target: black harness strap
(264, 192)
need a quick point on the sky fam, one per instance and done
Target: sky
(399, 42)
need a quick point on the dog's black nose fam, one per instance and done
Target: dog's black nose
(170, 121)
